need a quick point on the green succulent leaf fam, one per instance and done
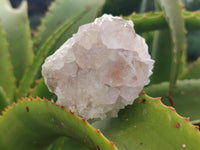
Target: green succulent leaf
(35, 68)
(192, 71)
(58, 144)
(173, 13)
(185, 96)
(150, 21)
(42, 90)
(42, 122)
(61, 11)
(73, 145)
(3, 100)
(161, 53)
(7, 78)
(148, 124)
(16, 25)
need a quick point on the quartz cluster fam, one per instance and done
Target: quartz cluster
(100, 69)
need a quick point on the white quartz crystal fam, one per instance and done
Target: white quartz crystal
(101, 69)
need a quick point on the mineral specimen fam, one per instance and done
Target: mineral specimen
(101, 69)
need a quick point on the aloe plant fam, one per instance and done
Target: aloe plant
(31, 119)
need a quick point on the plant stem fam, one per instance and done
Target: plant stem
(156, 20)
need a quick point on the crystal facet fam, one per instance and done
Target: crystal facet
(101, 69)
